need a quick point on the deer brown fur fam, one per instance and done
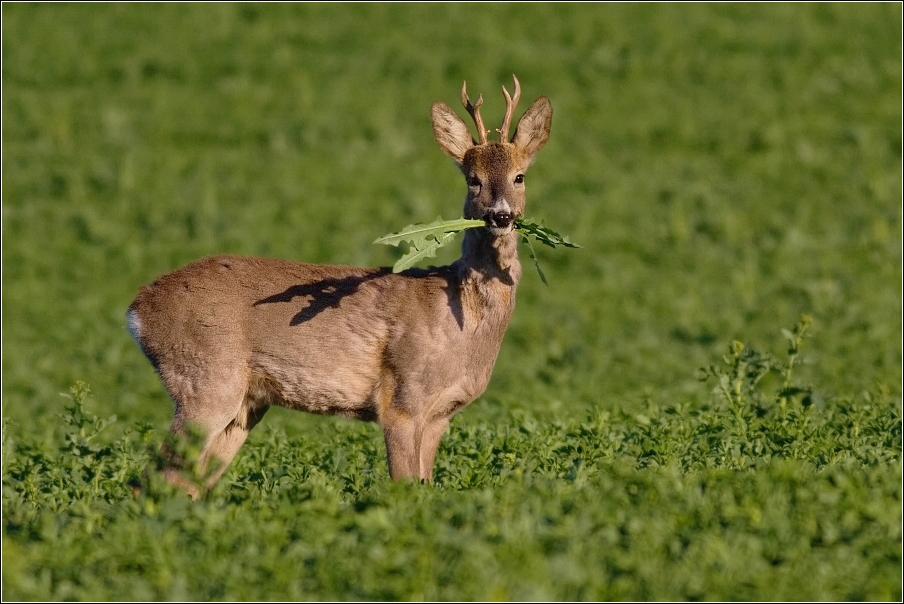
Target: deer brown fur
(231, 336)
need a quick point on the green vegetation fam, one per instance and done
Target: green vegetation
(726, 168)
(425, 239)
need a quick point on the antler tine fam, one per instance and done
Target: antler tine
(474, 111)
(510, 103)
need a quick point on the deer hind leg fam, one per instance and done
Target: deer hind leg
(217, 404)
(222, 448)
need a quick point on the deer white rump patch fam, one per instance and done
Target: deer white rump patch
(133, 324)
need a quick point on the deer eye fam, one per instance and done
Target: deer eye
(519, 179)
(473, 181)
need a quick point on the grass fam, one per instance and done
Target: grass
(726, 168)
(772, 497)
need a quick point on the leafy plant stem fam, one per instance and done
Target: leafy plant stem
(533, 255)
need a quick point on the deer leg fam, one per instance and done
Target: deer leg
(411, 446)
(173, 474)
(222, 448)
(402, 444)
(219, 451)
(215, 403)
(430, 437)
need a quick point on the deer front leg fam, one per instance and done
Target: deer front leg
(430, 437)
(411, 445)
(402, 444)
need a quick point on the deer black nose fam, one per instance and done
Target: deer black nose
(500, 220)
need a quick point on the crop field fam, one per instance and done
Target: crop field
(704, 404)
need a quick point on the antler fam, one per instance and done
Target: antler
(474, 111)
(510, 102)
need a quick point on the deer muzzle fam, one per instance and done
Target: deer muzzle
(500, 220)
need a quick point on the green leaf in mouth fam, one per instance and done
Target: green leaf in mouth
(424, 239)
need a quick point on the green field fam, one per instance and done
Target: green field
(727, 169)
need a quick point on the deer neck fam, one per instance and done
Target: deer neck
(491, 261)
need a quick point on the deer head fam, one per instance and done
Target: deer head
(494, 171)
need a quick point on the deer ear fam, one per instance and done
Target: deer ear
(533, 128)
(450, 132)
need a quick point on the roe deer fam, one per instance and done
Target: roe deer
(230, 336)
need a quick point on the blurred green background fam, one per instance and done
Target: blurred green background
(726, 167)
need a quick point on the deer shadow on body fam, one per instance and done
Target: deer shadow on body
(329, 293)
